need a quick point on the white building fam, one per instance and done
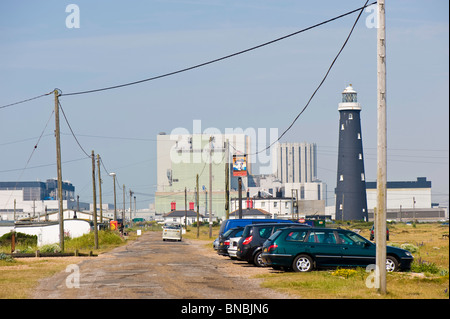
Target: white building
(402, 194)
(296, 162)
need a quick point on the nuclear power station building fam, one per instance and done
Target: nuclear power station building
(351, 198)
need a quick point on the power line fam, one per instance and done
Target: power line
(224, 57)
(73, 134)
(27, 100)
(321, 82)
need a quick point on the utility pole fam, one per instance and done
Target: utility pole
(380, 218)
(227, 183)
(123, 211)
(131, 217)
(185, 208)
(94, 195)
(240, 196)
(100, 188)
(210, 186)
(198, 209)
(115, 207)
(59, 169)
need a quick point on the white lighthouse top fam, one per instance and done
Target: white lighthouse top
(349, 100)
(349, 89)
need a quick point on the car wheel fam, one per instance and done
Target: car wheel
(303, 263)
(391, 264)
(257, 260)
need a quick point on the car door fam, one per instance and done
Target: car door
(322, 244)
(356, 251)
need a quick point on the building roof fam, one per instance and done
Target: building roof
(182, 213)
(250, 212)
(420, 183)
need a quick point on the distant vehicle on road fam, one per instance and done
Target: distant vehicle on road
(172, 231)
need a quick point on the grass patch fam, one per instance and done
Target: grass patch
(18, 277)
(428, 279)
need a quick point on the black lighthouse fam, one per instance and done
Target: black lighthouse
(351, 198)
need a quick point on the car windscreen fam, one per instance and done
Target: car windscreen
(172, 226)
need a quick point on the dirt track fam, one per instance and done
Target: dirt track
(150, 268)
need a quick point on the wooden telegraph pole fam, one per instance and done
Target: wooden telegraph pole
(380, 218)
(59, 170)
(100, 188)
(198, 209)
(94, 195)
(210, 186)
(227, 183)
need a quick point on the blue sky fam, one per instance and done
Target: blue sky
(123, 41)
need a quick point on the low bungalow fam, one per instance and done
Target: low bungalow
(251, 213)
(178, 216)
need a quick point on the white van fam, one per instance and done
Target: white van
(172, 231)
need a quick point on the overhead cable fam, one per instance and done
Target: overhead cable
(321, 82)
(219, 59)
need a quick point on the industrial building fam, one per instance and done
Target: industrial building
(31, 199)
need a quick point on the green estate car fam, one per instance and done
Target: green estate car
(303, 249)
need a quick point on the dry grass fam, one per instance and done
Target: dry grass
(18, 278)
(432, 248)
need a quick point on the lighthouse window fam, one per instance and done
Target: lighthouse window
(350, 116)
(362, 176)
(341, 178)
(360, 156)
(342, 127)
(359, 136)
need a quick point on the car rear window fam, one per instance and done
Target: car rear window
(265, 232)
(275, 235)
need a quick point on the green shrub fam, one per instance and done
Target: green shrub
(50, 248)
(21, 239)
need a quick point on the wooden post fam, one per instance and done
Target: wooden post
(59, 172)
(380, 218)
(94, 202)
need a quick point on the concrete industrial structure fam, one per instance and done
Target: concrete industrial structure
(351, 200)
(28, 199)
(296, 162)
(180, 157)
(407, 200)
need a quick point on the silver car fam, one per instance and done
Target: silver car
(232, 249)
(172, 231)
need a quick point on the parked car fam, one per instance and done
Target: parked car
(232, 249)
(216, 243)
(303, 249)
(372, 233)
(224, 240)
(232, 223)
(254, 235)
(172, 231)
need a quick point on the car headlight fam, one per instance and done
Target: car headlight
(407, 253)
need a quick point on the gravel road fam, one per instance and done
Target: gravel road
(150, 268)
